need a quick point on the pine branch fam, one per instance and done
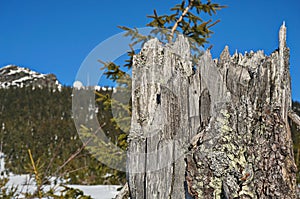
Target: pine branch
(36, 174)
(78, 151)
(214, 23)
(47, 171)
(72, 171)
(186, 10)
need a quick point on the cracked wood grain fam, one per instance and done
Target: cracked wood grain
(218, 132)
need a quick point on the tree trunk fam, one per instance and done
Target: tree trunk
(218, 132)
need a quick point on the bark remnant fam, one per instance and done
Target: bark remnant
(248, 152)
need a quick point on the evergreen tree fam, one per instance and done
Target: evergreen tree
(41, 120)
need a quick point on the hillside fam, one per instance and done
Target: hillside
(36, 114)
(16, 76)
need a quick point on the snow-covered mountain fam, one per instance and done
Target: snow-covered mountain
(15, 76)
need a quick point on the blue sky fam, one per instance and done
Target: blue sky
(56, 36)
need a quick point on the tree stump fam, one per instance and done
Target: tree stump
(220, 131)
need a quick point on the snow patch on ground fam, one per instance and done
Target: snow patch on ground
(98, 191)
(25, 183)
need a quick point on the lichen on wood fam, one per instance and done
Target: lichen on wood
(249, 153)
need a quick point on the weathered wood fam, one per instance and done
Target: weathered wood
(246, 150)
(163, 121)
(124, 192)
(294, 117)
(218, 132)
